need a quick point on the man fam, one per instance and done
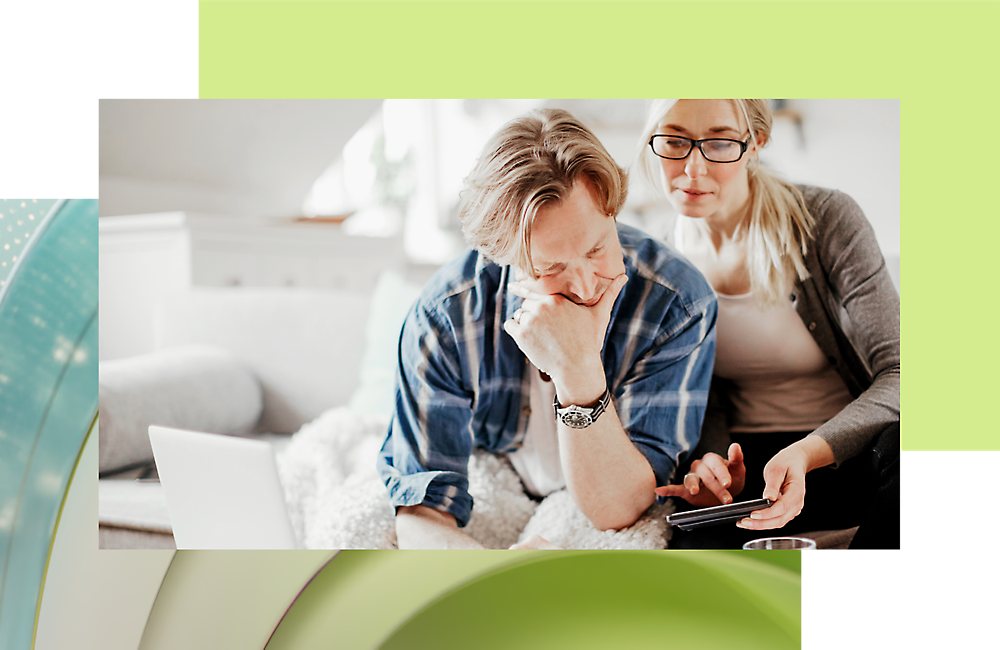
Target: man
(581, 348)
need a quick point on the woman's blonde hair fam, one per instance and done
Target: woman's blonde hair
(779, 227)
(530, 162)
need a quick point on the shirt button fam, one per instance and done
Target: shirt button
(526, 410)
(812, 326)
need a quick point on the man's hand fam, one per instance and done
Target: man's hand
(536, 541)
(724, 480)
(423, 527)
(609, 479)
(561, 338)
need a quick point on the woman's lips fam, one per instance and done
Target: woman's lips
(694, 195)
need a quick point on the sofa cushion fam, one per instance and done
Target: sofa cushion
(391, 303)
(197, 387)
(304, 345)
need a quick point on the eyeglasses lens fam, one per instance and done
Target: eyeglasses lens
(671, 147)
(713, 150)
(720, 150)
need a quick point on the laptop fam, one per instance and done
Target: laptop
(222, 492)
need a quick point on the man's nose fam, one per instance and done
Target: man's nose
(585, 284)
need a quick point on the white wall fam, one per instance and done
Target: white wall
(140, 261)
(847, 144)
(125, 195)
(253, 157)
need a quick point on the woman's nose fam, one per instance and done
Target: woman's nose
(695, 165)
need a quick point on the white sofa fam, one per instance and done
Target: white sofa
(239, 361)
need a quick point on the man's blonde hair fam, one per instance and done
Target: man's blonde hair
(779, 227)
(531, 162)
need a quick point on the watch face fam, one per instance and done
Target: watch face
(576, 419)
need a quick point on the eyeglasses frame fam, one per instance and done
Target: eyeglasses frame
(744, 145)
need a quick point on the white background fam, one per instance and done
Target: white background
(58, 58)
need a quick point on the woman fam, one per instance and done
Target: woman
(806, 375)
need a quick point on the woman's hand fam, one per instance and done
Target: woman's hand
(785, 482)
(724, 480)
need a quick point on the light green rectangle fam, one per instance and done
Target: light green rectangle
(938, 58)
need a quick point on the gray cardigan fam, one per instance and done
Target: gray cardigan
(851, 308)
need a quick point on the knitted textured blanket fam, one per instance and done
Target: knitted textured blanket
(336, 499)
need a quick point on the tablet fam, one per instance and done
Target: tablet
(716, 515)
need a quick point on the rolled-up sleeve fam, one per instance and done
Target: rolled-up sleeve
(424, 460)
(663, 397)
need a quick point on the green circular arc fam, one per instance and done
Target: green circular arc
(500, 599)
(602, 600)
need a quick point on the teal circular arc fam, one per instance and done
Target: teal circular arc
(48, 399)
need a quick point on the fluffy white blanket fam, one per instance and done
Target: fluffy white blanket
(337, 500)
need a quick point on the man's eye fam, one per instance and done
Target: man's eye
(595, 252)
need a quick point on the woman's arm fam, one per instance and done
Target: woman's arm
(846, 262)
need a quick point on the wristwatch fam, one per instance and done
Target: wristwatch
(581, 417)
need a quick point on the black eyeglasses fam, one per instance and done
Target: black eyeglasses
(720, 150)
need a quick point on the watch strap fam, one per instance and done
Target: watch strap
(581, 417)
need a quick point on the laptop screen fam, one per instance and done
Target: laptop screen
(222, 492)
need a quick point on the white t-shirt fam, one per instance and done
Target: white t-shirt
(537, 461)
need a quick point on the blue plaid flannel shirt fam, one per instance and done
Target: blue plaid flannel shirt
(462, 382)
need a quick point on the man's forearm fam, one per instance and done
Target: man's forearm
(423, 527)
(609, 479)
